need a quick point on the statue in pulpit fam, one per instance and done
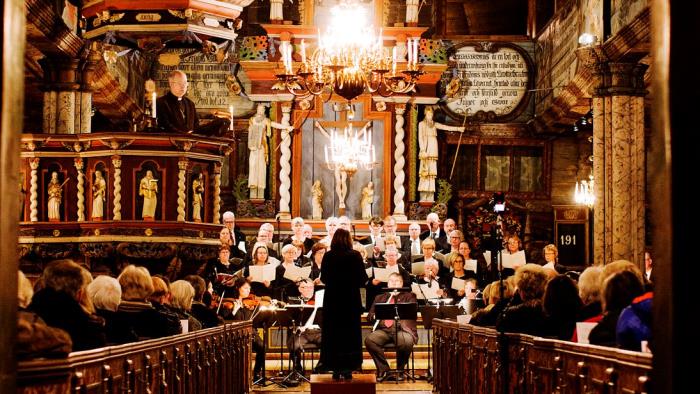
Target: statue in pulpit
(148, 188)
(99, 188)
(428, 153)
(55, 192)
(197, 190)
(317, 201)
(412, 13)
(367, 200)
(276, 14)
(259, 130)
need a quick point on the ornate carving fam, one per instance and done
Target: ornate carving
(115, 144)
(286, 168)
(117, 163)
(96, 249)
(399, 162)
(248, 209)
(146, 250)
(183, 145)
(217, 192)
(23, 250)
(33, 190)
(59, 250)
(198, 252)
(182, 164)
(78, 162)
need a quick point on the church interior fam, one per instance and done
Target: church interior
(174, 173)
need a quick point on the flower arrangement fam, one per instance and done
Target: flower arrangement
(483, 219)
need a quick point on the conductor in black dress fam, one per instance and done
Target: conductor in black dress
(177, 113)
(344, 274)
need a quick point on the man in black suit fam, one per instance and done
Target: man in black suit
(404, 336)
(375, 231)
(177, 113)
(411, 247)
(435, 233)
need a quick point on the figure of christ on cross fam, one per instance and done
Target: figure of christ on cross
(341, 172)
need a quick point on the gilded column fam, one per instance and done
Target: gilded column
(217, 192)
(33, 190)
(117, 164)
(618, 163)
(78, 162)
(399, 163)
(285, 166)
(181, 189)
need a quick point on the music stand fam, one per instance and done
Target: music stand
(265, 318)
(284, 320)
(297, 313)
(430, 312)
(397, 312)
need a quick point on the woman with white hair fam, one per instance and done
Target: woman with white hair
(298, 235)
(181, 297)
(135, 312)
(284, 287)
(105, 293)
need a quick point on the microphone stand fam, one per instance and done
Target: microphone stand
(502, 339)
(278, 236)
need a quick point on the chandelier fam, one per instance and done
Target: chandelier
(348, 151)
(348, 60)
(584, 193)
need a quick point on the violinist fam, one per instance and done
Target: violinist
(308, 332)
(244, 308)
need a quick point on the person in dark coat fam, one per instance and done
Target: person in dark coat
(177, 113)
(58, 305)
(404, 336)
(527, 317)
(343, 272)
(619, 290)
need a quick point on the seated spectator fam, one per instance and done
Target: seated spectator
(34, 338)
(619, 290)
(105, 294)
(58, 304)
(527, 317)
(634, 323)
(589, 291)
(182, 294)
(135, 313)
(160, 299)
(561, 304)
(200, 310)
(496, 304)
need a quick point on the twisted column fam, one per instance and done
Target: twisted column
(217, 193)
(286, 168)
(78, 162)
(182, 164)
(117, 164)
(33, 190)
(399, 163)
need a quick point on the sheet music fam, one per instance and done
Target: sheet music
(295, 273)
(458, 284)
(470, 265)
(261, 273)
(382, 274)
(241, 246)
(369, 272)
(487, 257)
(319, 298)
(418, 268)
(430, 292)
(513, 260)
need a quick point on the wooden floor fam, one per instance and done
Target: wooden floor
(419, 387)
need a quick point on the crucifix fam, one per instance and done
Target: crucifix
(342, 170)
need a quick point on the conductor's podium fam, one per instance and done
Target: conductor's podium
(360, 384)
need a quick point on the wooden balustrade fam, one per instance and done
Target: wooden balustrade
(215, 360)
(470, 359)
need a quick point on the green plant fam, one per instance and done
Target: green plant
(444, 191)
(240, 188)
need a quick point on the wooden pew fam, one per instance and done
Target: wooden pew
(470, 359)
(215, 360)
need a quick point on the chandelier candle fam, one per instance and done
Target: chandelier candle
(153, 104)
(230, 110)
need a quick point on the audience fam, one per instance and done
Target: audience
(182, 294)
(619, 290)
(58, 304)
(562, 305)
(200, 310)
(527, 317)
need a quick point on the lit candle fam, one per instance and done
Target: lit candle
(153, 104)
(230, 110)
(393, 62)
(303, 52)
(289, 57)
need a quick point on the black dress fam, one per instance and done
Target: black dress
(344, 274)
